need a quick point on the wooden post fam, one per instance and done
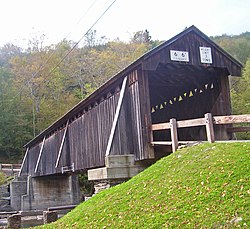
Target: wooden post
(174, 136)
(12, 169)
(209, 127)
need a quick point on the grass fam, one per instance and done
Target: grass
(205, 186)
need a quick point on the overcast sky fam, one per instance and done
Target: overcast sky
(20, 20)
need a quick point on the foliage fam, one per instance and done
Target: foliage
(86, 186)
(205, 186)
(240, 94)
(2, 178)
(237, 45)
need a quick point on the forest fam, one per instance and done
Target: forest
(40, 83)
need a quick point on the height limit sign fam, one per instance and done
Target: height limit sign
(206, 55)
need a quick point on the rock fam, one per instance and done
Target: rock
(236, 220)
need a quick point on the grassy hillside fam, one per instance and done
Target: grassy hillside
(205, 186)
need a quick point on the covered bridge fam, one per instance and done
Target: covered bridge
(185, 77)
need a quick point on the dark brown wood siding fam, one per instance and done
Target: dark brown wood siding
(191, 43)
(87, 135)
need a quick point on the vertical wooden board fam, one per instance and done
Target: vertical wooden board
(134, 136)
(33, 156)
(92, 133)
(81, 157)
(145, 108)
(78, 145)
(98, 133)
(74, 140)
(222, 106)
(101, 128)
(136, 124)
(71, 139)
(126, 127)
(105, 128)
(88, 146)
(88, 161)
(116, 144)
(82, 141)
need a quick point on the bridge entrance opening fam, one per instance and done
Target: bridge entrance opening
(186, 92)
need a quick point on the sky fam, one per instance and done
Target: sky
(24, 20)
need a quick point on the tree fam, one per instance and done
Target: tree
(15, 130)
(240, 94)
(237, 45)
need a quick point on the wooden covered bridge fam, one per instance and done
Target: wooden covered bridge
(183, 78)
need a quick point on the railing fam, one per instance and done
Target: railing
(209, 121)
(10, 168)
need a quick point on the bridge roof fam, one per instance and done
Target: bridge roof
(150, 61)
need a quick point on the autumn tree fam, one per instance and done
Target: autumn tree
(241, 95)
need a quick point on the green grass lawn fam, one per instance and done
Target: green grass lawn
(205, 186)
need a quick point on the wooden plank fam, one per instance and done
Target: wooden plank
(238, 129)
(231, 119)
(66, 207)
(180, 124)
(61, 145)
(170, 143)
(191, 122)
(209, 127)
(162, 143)
(161, 126)
(174, 136)
(40, 154)
(118, 108)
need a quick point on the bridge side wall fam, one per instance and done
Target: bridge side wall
(87, 134)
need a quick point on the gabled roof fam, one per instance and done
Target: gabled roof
(149, 61)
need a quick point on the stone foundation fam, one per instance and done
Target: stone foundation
(105, 184)
(18, 187)
(5, 198)
(14, 221)
(39, 193)
(119, 168)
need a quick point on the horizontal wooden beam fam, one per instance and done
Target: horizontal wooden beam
(161, 126)
(217, 120)
(191, 122)
(169, 143)
(65, 207)
(11, 165)
(231, 119)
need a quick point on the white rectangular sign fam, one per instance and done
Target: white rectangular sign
(179, 55)
(206, 55)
